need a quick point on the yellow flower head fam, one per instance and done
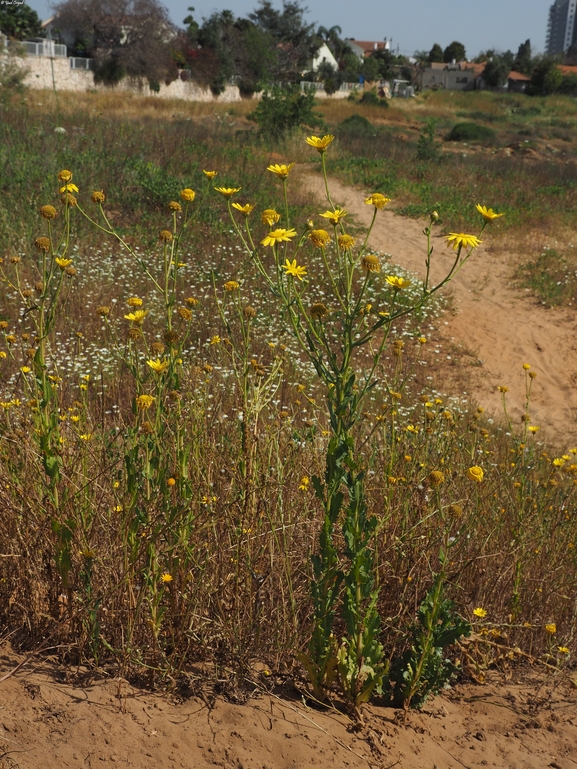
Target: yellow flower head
(166, 578)
(188, 194)
(396, 282)
(533, 428)
(551, 628)
(476, 473)
(144, 402)
(231, 285)
(480, 612)
(245, 210)
(98, 196)
(63, 263)
(210, 174)
(293, 269)
(371, 263)
(25, 369)
(158, 366)
(215, 339)
(458, 240)
(165, 236)
(503, 388)
(436, 477)
(64, 176)
(487, 213)
(320, 143)
(137, 316)
(174, 205)
(278, 236)
(282, 171)
(563, 650)
(48, 212)
(334, 216)
(346, 242)
(270, 216)
(319, 238)
(526, 366)
(134, 301)
(228, 192)
(69, 188)
(377, 200)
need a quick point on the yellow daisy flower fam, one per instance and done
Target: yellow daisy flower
(334, 216)
(63, 263)
(487, 213)
(282, 170)
(228, 192)
(396, 282)
(245, 210)
(278, 236)
(210, 174)
(460, 240)
(158, 366)
(293, 269)
(269, 216)
(320, 143)
(377, 200)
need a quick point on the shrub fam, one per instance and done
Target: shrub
(356, 125)
(472, 132)
(371, 99)
(282, 110)
(427, 146)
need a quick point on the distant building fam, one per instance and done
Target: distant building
(517, 82)
(561, 29)
(323, 56)
(461, 76)
(365, 48)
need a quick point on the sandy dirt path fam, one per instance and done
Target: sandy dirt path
(494, 329)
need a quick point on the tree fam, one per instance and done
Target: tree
(496, 71)
(454, 51)
(132, 37)
(19, 21)
(295, 40)
(523, 62)
(436, 54)
(546, 78)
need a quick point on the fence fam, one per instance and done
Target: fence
(79, 63)
(44, 48)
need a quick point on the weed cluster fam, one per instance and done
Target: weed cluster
(219, 452)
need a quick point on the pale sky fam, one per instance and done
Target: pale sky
(412, 24)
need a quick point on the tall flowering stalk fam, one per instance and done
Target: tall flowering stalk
(344, 338)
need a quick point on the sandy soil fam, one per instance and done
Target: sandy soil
(494, 329)
(48, 723)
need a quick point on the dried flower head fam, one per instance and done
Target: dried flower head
(103, 311)
(42, 244)
(98, 196)
(134, 301)
(165, 236)
(249, 312)
(436, 477)
(144, 402)
(185, 313)
(48, 212)
(174, 205)
(319, 311)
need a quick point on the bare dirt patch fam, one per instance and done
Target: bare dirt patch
(494, 328)
(528, 723)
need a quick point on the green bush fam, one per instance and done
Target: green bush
(282, 110)
(371, 99)
(356, 125)
(472, 132)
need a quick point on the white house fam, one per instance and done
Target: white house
(324, 54)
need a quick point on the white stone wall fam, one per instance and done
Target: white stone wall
(56, 74)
